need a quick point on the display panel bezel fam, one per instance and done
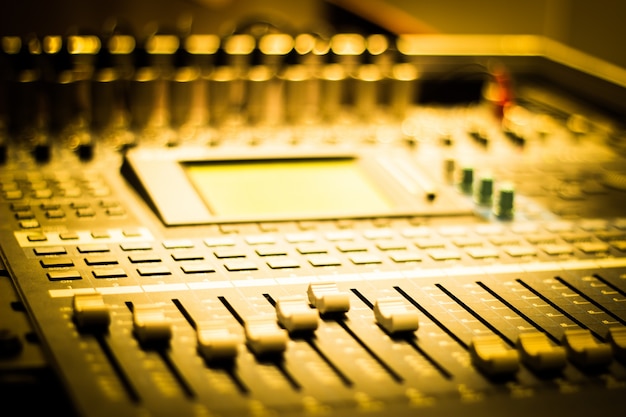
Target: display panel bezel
(160, 176)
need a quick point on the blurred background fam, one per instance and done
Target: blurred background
(595, 27)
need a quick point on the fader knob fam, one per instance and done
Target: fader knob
(394, 315)
(215, 341)
(264, 336)
(326, 298)
(90, 312)
(539, 354)
(583, 349)
(150, 324)
(295, 315)
(492, 356)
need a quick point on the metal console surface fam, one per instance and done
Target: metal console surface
(501, 291)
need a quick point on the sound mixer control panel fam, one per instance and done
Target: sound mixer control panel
(198, 247)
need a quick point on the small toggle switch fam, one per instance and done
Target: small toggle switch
(326, 297)
(492, 356)
(150, 324)
(539, 354)
(215, 341)
(395, 315)
(295, 315)
(584, 350)
(264, 336)
(90, 312)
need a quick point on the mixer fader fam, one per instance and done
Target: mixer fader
(297, 225)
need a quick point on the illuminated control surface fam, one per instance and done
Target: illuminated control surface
(381, 253)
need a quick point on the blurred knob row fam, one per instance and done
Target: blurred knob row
(56, 84)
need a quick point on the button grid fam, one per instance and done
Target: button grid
(135, 253)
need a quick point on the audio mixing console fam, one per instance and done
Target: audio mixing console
(296, 225)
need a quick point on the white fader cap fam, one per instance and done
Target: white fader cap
(327, 298)
(264, 336)
(295, 315)
(216, 341)
(395, 315)
(538, 353)
(151, 325)
(492, 356)
(90, 312)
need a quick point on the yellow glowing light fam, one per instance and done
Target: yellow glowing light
(377, 44)
(405, 72)
(369, 73)
(224, 74)
(333, 72)
(470, 45)
(121, 44)
(11, 44)
(348, 44)
(52, 44)
(202, 44)
(276, 44)
(186, 74)
(146, 74)
(162, 44)
(321, 47)
(83, 44)
(304, 43)
(297, 73)
(239, 44)
(259, 74)
(106, 75)
(34, 46)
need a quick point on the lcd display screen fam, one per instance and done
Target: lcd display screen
(287, 187)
